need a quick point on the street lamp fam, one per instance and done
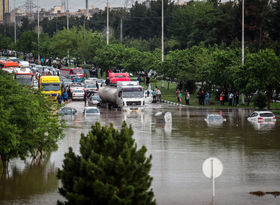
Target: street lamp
(107, 30)
(15, 24)
(162, 30)
(243, 32)
(38, 30)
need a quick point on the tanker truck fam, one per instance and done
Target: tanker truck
(127, 96)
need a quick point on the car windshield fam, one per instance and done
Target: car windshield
(78, 91)
(215, 118)
(77, 80)
(96, 98)
(24, 79)
(133, 92)
(78, 71)
(50, 86)
(66, 111)
(267, 114)
(92, 111)
(91, 86)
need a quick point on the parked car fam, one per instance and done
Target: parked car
(67, 111)
(91, 111)
(262, 116)
(94, 100)
(77, 94)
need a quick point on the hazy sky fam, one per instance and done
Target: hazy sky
(73, 4)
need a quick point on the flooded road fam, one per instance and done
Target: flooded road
(250, 154)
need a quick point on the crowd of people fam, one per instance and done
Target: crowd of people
(232, 98)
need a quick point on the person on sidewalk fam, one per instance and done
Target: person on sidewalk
(187, 97)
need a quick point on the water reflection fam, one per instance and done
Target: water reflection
(262, 126)
(250, 156)
(32, 180)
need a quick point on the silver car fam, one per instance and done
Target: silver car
(77, 94)
(94, 100)
(91, 111)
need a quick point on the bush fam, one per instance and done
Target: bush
(110, 170)
(260, 100)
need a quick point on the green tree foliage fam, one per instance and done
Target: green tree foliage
(110, 169)
(28, 42)
(28, 126)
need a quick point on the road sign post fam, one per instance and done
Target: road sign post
(212, 168)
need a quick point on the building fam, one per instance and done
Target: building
(4, 10)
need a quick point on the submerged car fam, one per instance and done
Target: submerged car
(67, 111)
(94, 100)
(262, 116)
(214, 119)
(91, 111)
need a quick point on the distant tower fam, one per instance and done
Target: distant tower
(29, 6)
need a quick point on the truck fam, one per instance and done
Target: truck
(24, 76)
(50, 85)
(127, 96)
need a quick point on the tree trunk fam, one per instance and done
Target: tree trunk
(5, 162)
(168, 85)
(268, 101)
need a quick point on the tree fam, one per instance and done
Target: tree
(28, 126)
(28, 42)
(110, 169)
(263, 72)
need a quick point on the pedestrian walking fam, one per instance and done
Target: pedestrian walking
(230, 98)
(222, 95)
(178, 94)
(181, 95)
(85, 98)
(154, 94)
(236, 99)
(59, 98)
(207, 97)
(187, 97)
(158, 95)
(199, 96)
(65, 95)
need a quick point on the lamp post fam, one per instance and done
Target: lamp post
(15, 24)
(38, 21)
(162, 30)
(107, 30)
(242, 32)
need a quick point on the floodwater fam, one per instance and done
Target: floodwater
(250, 154)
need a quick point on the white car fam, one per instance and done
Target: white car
(262, 116)
(91, 111)
(90, 87)
(214, 120)
(94, 100)
(78, 94)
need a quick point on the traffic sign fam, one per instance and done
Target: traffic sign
(212, 168)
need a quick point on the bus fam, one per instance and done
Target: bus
(24, 76)
(9, 66)
(50, 85)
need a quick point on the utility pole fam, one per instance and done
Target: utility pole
(162, 30)
(67, 16)
(243, 32)
(38, 30)
(242, 95)
(15, 24)
(107, 32)
(121, 30)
